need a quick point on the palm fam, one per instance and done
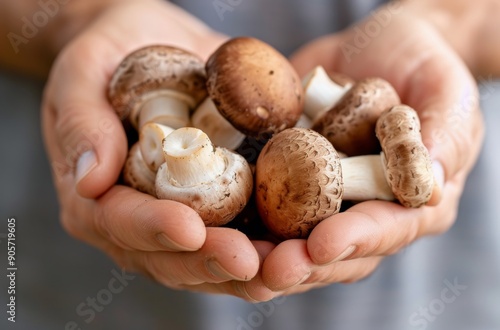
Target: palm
(432, 79)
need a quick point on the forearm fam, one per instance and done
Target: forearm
(35, 31)
(471, 27)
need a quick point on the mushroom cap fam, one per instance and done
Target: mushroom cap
(218, 201)
(137, 174)
(156, 70)
(408, 163)
(350, 124)
(298, 182)
(254, 86)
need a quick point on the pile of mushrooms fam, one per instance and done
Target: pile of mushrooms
(325, 138)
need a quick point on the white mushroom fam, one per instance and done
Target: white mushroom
(214, 181)
(150, 141)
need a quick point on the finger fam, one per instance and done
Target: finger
(227, 254)
(289, 266)
(84, 136)
(377, 228)
(132, 221)
(253, 291)
(137, 221)
(321, 51)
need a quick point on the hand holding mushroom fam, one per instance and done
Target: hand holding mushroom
(348, 246)
(87, 147)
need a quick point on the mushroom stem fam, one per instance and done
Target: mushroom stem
(304, 121)
(364, 178)
(321, 93)
(219, 130)
(167, 108)
(150, 142)
(191, 158)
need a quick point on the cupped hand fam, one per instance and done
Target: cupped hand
(431, 78)
(87, 147)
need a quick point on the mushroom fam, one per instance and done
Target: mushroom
(350, 124)
(323, 91)
(214, 181)
(150, 142)
(158, 84)
(254, 87)
(137, 174)
(301, 180)
(208, 119)
(407, 160)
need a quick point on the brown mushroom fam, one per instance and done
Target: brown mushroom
(407, 161)
(298, 182)
(158, 84)
(301, 180)
(254, 87)
(215, 182)
(350, 124)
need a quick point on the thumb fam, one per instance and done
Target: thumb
(84, 137)
(323, 51)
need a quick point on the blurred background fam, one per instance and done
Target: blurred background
(56, 273)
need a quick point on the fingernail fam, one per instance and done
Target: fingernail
(217, 270)
(293, 278)
(86, 163)
(303, 279)
(438, 171)
(169, 244)
(347, 252)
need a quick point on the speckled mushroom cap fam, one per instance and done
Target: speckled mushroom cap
(218, 201)
(350, 124)
(254, 87)
(156, 70)
(298, 182)
(408, 164)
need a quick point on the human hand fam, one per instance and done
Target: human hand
(87, 147)
(411, 54)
